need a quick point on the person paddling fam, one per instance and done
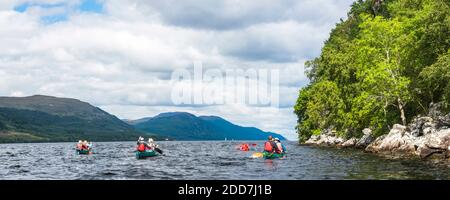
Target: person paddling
(280, 147)
(89, 145)
(269, 145)
(140, 144)
(79, 145)
(84, 145)
(153, 146)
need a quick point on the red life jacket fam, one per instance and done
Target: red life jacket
(245, 147)
(268, 147)
(141, 147)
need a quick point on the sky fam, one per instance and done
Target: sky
(119, 55)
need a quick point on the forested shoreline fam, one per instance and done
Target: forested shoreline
(388, 63)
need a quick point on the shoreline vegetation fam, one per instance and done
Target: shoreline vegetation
(381, 82)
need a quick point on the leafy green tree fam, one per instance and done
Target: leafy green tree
(436, 78)
(384, 64)
(379, 58)
(320, 107)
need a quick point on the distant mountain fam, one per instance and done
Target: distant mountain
(186, 126)
(43, 118)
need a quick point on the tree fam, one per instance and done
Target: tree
(436, 78)
(379, 58)
(319, 107)
(383, 65)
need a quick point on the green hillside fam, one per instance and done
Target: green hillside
(51, 119)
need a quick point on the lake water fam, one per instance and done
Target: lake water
(204, 160)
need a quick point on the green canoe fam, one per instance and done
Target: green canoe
(268, 155)
(145, 154)
(83, 151)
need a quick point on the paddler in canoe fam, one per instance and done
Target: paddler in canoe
(84, 147)
(272, 149)
(146, 149)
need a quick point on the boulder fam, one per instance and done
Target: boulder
(325, 140)
(424, 152)
(397, 141)
(438, 142)
(444, 121)
(313, 139)
(417, 125)
(366, 139)
(350, 142)
(374, 146)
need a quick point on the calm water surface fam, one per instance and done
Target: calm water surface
(204, 160)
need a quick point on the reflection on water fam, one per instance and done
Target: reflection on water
(204, 160)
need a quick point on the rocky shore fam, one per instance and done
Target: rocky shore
(425, 137)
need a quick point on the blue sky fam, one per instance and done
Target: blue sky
(118, 54)
(85, 6)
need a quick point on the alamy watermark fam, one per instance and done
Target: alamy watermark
(255, 87)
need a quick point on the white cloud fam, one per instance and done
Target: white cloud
(122, 60)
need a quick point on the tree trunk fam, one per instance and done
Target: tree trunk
(402, 111)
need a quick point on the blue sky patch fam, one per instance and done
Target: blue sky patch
(91, 6)
(24, 7)
(51, 19)
(94, 6)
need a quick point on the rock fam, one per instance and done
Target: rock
(444, 121)
(425, 152)
(350, 142)
(329, 132)
(397, 128)
(438, 140)
(339, 140)
(417, 125)
(374, 146)
(397, 141)
(367, 131)
(325, 140)
(313, 139)
(366, 139)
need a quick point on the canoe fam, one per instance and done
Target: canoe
(268, 155)
(83, 151)
(145, 154)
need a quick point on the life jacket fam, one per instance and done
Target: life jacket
(245, 147)
(141, 147)
(268, 146)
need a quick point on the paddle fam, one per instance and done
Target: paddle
(257, 155)
(158, 150)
